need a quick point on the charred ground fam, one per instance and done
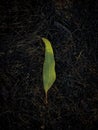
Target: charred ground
(73, 99)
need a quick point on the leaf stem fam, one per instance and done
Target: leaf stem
(46, 98)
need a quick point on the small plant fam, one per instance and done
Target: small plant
(49, 74)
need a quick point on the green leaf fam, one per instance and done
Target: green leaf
(49, 74)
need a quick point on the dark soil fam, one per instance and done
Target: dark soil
(71, 26)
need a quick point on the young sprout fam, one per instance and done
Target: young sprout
(49, 74)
